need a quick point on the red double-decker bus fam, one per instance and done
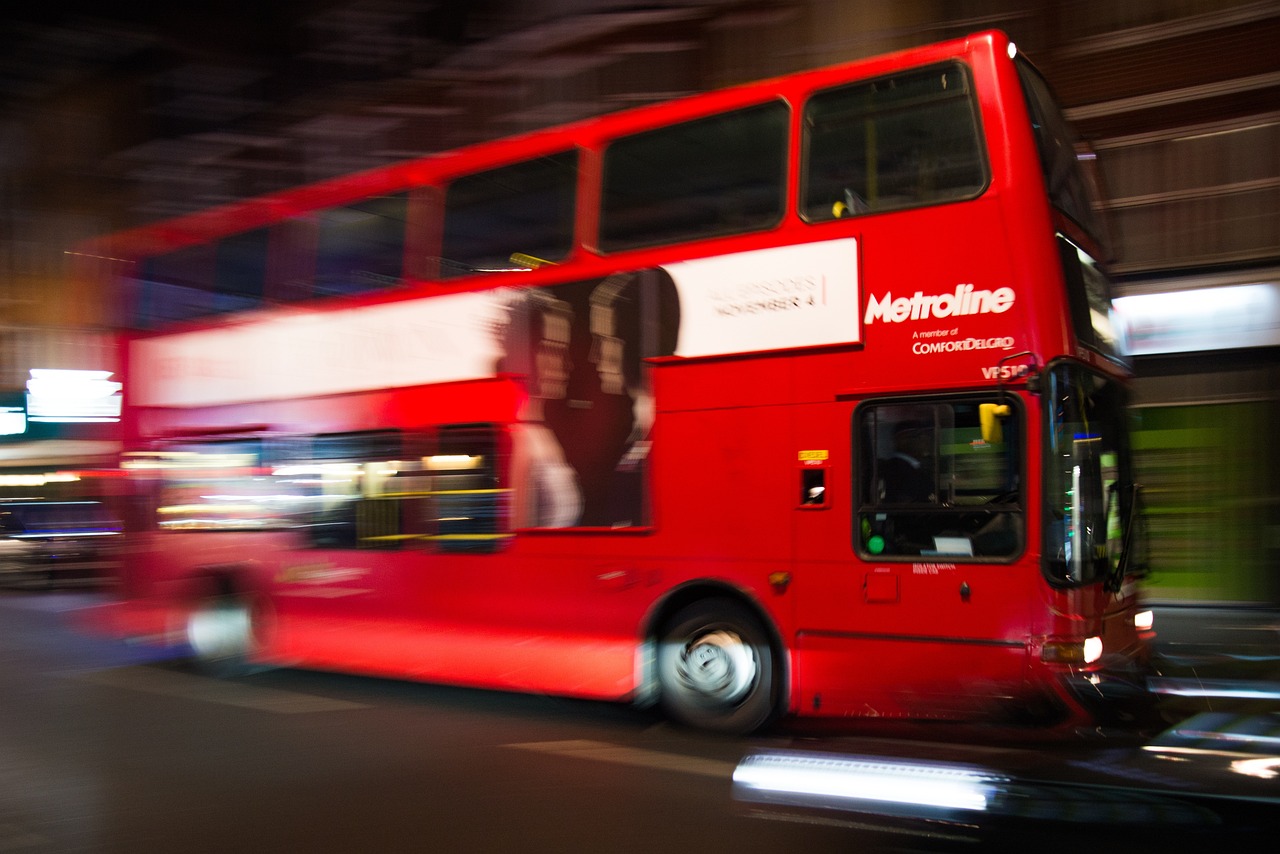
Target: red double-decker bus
(796, 398)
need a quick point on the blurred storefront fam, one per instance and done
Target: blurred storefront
(59, 413)
(1206, 350)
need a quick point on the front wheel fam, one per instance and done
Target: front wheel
(716, 668)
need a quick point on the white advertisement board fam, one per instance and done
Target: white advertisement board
(768, 299)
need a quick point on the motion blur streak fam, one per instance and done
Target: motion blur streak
(1242, 744)
(1264, 767)
(1222, 688)
(868, 784)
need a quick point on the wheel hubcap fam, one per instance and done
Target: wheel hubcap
(718, 666)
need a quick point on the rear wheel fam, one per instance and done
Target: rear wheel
(222, 633)
(717, 669)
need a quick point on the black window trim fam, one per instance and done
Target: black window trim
(604, 247)
(975, 109)
(859, 506)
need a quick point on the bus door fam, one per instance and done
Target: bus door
(930, 584)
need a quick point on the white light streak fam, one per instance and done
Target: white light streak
(866, 781)
(1214, 688)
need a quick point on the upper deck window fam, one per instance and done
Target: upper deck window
(240, 270)
(525, 209)
(1089, 301)
(724, 174)
(346, 249)
(897, 142)
(360, 246)
(200, 280)
(175, 286)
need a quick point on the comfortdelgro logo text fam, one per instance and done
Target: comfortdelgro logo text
(964, 300)
(928, 348)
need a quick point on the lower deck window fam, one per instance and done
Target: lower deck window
(468, 507)
(371, 490)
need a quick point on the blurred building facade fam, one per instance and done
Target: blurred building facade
(107, 121)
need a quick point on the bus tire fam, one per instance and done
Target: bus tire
(717, 668)
(222, 634)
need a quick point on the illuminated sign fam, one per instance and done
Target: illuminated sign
(13, 420)
(73, 396)
(1216, 318)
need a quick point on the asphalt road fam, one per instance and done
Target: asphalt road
(110, 748)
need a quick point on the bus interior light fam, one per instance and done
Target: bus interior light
(453, 462)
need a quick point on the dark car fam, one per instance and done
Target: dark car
(52, 543)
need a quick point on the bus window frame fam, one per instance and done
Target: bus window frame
(971, 99)
(445, 439)
(451, 267)
(864, 466)
(604, 211)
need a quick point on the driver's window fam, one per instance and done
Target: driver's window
(931, 484)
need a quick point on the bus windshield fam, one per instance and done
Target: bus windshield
(1091, 499)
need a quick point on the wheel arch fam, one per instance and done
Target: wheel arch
(237, 578)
